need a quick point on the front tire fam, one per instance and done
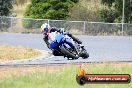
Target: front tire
(56, 53)
(84, 54)
(68, 53)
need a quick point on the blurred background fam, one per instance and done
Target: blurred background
(89, 17)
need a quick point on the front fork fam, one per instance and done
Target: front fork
(79, 48)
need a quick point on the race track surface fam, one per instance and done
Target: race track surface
(100, 48)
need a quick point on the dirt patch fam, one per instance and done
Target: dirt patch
(17, 52)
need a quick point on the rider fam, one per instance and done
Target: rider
(46, 29)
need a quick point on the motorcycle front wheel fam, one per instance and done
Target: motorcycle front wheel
(68, 53)
(84, 54)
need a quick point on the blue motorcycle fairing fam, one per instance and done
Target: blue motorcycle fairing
(54, 42)
(68, 40)
(57, 38)
(53, 45)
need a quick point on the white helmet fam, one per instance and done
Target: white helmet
(45, 27)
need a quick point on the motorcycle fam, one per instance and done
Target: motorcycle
(65, 46)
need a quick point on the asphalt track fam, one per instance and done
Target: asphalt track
(100, 48)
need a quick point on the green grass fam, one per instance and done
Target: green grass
(64, 79)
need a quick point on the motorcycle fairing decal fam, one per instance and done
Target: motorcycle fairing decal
(58, 37)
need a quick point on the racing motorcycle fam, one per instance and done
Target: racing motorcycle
(63, 44)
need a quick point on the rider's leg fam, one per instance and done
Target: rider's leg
(46, 41)
(74, 38)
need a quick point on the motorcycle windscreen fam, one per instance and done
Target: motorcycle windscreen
(54, 39)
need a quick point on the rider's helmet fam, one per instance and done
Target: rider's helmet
(45, 28)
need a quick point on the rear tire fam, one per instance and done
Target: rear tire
(68, 54)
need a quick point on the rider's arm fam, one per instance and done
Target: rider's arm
(58, 30)
(53, 29)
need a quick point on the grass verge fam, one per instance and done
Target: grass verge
(41, 77)
(16, 53)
